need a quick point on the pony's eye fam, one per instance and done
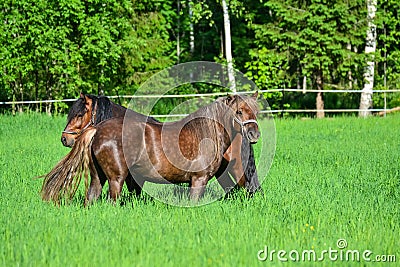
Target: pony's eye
(239, 112)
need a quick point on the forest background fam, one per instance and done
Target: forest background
(57, 49)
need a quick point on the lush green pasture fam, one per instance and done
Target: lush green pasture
(331, 179)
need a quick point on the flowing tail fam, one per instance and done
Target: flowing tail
(63, 180)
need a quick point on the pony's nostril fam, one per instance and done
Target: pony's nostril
(253, 135)
(63, 140)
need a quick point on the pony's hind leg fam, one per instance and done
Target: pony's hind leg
(133, 185)
(115, 187)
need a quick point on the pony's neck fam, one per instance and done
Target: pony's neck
(222, 116)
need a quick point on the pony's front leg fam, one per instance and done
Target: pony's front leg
(197, 187)
(235, 166)
(96, 183)
(223, 177)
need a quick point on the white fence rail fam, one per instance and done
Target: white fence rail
(385, 109)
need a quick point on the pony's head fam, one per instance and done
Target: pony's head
(245, 109)
(81, 115)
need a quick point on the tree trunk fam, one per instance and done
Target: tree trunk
(37, 90)
(228, 47)
(49, 90)
(191, 32)
(178, 45)
(349, 73)
(21, 91)
(370, 47)
(191, 35)
(320, 97)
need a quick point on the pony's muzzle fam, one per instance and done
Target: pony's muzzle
(68, 142)
(253, 135)
(249, 129)
(252, 132)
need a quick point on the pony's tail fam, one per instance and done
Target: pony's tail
(63, 180)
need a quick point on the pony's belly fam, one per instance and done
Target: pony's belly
(176, 177)
(163, 180)
(160, 176)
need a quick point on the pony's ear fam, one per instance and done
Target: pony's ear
(88, 101)
(229, 99)
(255, 95)
(82, 95)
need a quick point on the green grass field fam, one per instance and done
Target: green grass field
(331, 179)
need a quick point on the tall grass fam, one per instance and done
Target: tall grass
(331, 179)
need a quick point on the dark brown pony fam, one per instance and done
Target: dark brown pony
(89, 110)
(170, 152)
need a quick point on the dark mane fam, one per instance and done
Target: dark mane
(103, 109)
(216, 112)
(220, 106)
(252, 183)
(210, 111)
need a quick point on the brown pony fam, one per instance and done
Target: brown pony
(89, 110)
(187, 151)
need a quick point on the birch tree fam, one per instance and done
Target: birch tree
(191, 32)
(228, 46)
(370, 48)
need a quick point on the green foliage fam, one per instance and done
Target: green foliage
(388, 50)
(147, 47)
(267, 70)
(348, 189)
(312, 37)
(55, 49)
